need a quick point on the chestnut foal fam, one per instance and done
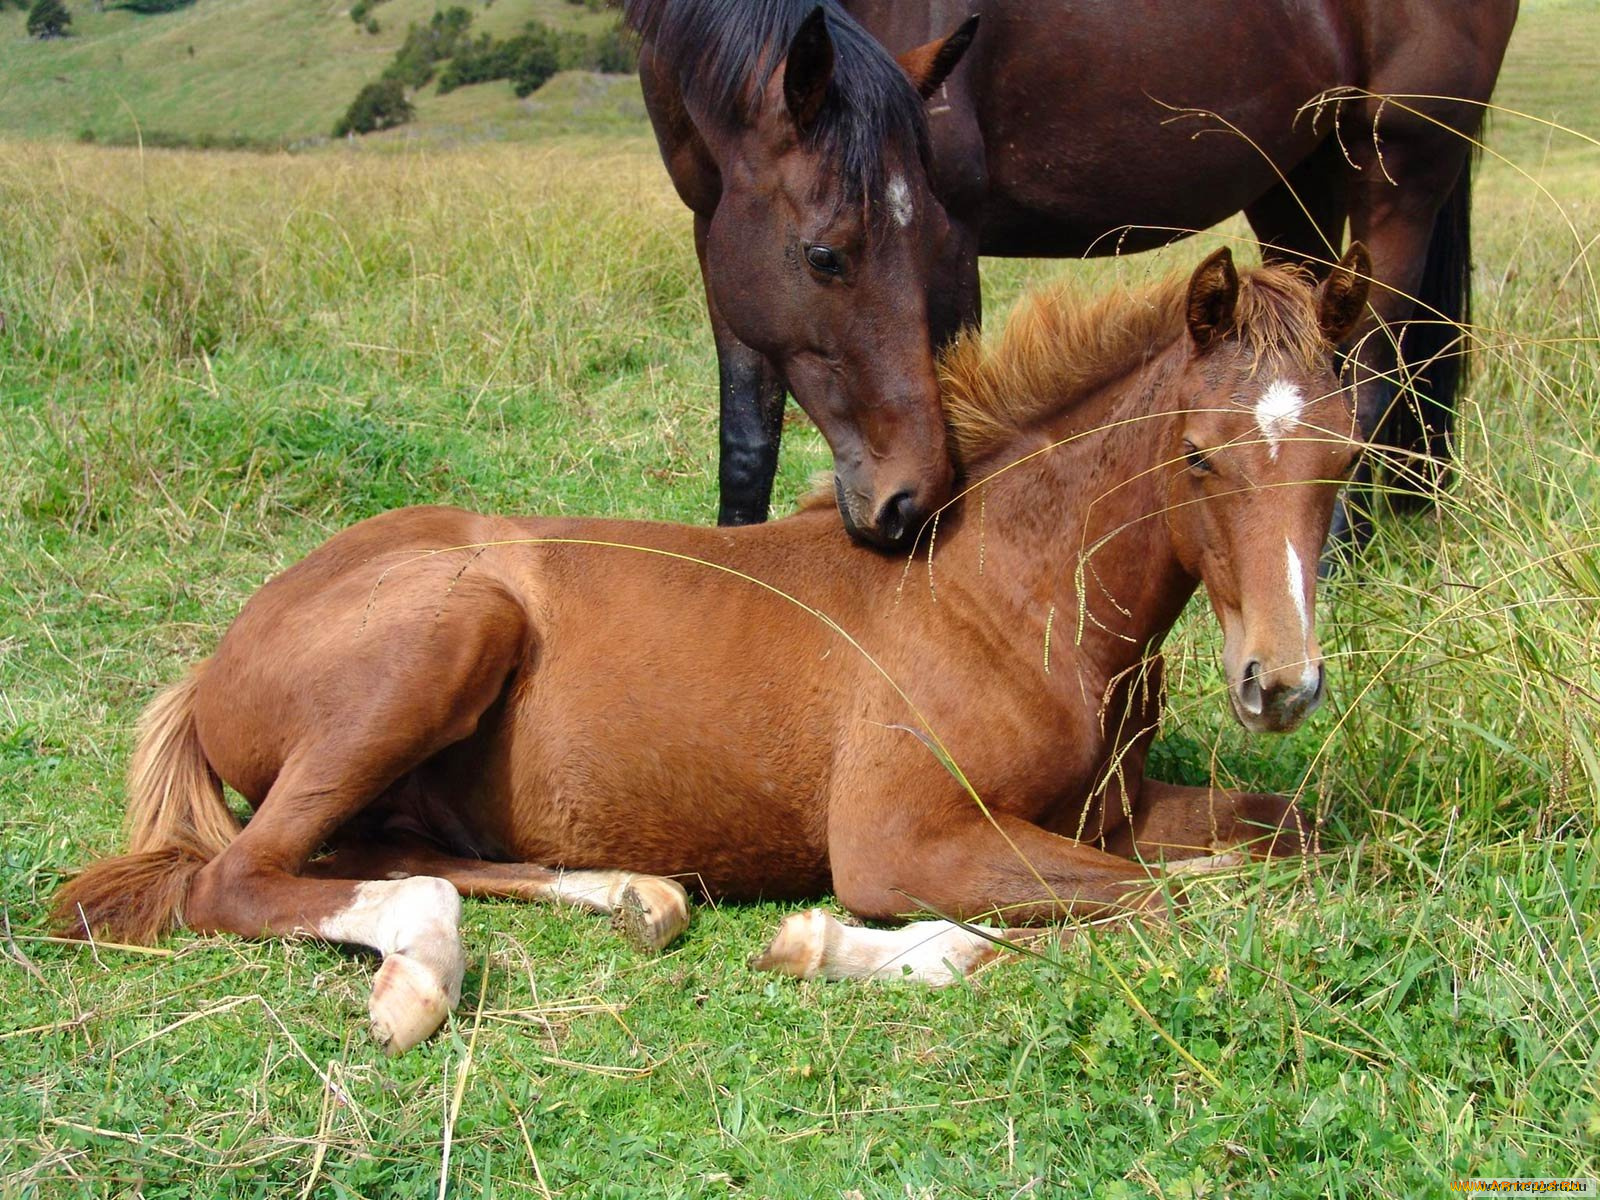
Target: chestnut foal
(438, 703)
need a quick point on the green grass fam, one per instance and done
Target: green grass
(211, 362)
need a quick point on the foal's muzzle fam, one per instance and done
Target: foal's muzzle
(1264, 704)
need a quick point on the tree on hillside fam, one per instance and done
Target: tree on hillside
(535, 58)
(49, 19)
(427, 45)
(380, 105)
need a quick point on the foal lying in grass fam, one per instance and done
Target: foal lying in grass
(436, 702)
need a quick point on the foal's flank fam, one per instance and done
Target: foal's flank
(438, 703)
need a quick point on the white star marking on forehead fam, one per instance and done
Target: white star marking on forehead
(898, 197)
(1278, 412)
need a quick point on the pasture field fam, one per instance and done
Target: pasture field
(209, 363)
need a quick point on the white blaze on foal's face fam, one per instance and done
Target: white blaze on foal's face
(1278, 412)
(1297, 587)
(898, 198)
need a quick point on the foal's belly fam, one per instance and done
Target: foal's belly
(621, 792)
(670, 756)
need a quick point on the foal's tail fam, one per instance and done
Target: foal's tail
(176, 822)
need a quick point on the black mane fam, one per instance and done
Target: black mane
(725, 51)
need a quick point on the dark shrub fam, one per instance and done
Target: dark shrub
(152, 8)
(380, 105)
(616, 51)
(427, 45)
(49, 19)
(537, 57)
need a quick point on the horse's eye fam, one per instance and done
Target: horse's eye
(822, 258)
(1198, 462)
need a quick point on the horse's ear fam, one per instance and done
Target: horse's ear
(1342, 298)
(808, 69)
(930, 65)
(1213, 293)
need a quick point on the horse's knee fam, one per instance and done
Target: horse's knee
(927, 882)
(1270, 826)
(873, 899)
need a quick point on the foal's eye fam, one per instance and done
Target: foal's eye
(1197, 461)
(822, 258)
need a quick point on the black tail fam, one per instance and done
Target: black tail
(1434, 347)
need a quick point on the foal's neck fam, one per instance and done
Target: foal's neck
(1081, 526)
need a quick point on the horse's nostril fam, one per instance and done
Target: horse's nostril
(1250, 694)
(895, 518)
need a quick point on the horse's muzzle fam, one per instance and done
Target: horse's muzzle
(895, 525)
(1263, 705)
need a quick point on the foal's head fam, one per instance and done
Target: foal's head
(1263, 439)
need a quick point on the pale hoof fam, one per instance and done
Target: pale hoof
(798, 947)
(1211, 862)
(652, 912)
(408, 1003)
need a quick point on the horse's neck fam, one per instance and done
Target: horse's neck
(1081, 529)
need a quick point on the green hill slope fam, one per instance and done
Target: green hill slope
(260, 71)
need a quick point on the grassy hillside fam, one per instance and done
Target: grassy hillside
(208, 363)
(264, 71)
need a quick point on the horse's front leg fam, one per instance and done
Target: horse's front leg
(750, 394)
(1193, 828)
(954, 859)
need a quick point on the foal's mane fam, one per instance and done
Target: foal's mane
(1058, 347)
(724, 53)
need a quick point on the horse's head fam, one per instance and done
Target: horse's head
(819, 255)
(1265, 436)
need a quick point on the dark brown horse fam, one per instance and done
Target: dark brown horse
(437, 702)
(801, 147)
(1070, 129)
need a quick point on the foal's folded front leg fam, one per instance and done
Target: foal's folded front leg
(957, 862)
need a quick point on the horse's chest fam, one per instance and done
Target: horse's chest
(1032, 746)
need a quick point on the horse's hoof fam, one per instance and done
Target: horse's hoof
(1208, 864)
(652, 912)
(408, 1003)
(798, 947)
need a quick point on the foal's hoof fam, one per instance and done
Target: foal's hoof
(799, 946)
(1208, 864)
(652, 912)
(408, 1003)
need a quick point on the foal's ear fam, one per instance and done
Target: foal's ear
(930, 65)
(808, 69)
(1213, 293)
(1342, 298)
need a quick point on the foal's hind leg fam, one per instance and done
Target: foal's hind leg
(1196, 828)
(255, 888)
(400, 700)
(650, 911)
